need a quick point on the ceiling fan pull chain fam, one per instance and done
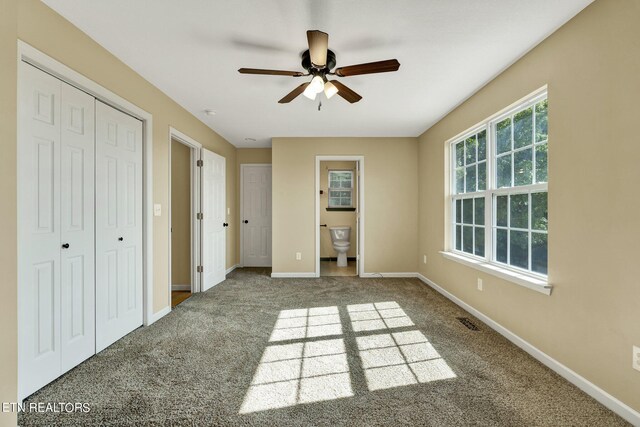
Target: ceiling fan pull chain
(319, 105)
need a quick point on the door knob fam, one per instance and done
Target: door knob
(246, 221)
(120, 239)
(225, 224)
(65, 246)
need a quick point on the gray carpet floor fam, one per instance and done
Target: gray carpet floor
(316, 352)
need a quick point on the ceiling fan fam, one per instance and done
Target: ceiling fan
(318, 60)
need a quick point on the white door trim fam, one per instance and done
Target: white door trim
(33, 56)
(361, 210)
(195, 148)
(242, 166)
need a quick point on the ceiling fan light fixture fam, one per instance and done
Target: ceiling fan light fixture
(330, 89)
(317, 84)
(310, 92)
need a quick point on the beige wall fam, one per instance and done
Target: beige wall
(333, 218)
(592, 318)
(247, 156)
(180, 214)
(36, 24)
(391, 208)
(8, 218)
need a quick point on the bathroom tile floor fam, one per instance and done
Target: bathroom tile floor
(330, 268)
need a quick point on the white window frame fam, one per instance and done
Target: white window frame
(488, 263)
(329, 188)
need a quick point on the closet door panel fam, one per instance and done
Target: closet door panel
(118, 224)
(39, 352)
(77, 226)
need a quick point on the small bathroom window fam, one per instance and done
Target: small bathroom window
(340, 189)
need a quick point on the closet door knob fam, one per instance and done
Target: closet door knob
(120, 239)
(225, 224)
(65, 246)
(246, 221)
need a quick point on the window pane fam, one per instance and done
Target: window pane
(523, 128)
(502, 211)
(460, 154)
(467, 239)
(503, 174)
(482, 176)
(522, 167)
(479, 250)
(539, 252)
(346, 202)
(501, 245)
(345, 194)
(458, 211)
(334, 201)
(519, 241)
(467, 211)
(334, 184)
(539, 218)
(503, 134)
(471, 179)
(470, 150)
(519, 211)
(479, 211)
(459, 237)
(460, 180)
(482, 145)
(541, 121)
(541, 163)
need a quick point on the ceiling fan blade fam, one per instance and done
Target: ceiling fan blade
(346, 93)
(368, 68)
(318, 45)
(270, 72)
(294, 93)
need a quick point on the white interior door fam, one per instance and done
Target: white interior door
(39, 237)
(256, 215)
(214, 223)
(77, 226)
(55, 228)
(118, 224)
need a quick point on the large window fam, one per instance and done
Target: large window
(499, 190)
(340, 189)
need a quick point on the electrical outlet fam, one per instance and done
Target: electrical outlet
(424, 259)
(636, 358)
(479, 284)
(298, 256)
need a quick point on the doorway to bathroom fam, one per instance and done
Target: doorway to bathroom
(339, 215)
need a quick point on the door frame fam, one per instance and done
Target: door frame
(31, 55)
(361, 211)
(196, 235)
(242, 167)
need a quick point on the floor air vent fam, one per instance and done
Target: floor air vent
(468, 323)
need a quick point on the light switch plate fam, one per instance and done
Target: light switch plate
(636, 358)
(298, 256)
(479, 284)
(157, 209)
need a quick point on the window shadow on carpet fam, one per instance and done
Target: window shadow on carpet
(307, 358)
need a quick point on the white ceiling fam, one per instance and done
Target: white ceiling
(191, 50)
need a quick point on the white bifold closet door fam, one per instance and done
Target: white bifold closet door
(55, 228)
(214, 219)
(118, 224)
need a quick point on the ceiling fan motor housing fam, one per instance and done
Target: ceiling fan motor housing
(307, 65)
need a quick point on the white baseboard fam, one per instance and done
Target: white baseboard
(293, 275)
(179, 287)
(620, 408)
(233, 267)
(392, 274)
(160, 314)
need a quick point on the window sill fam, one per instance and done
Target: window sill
(341, 209)
(532, 283)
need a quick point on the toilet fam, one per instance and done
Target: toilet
(340, 238)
